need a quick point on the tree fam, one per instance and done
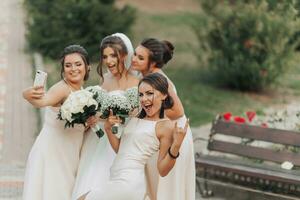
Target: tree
(54, 24)
(247, 44)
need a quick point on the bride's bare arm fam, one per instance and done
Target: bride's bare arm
(56, 94)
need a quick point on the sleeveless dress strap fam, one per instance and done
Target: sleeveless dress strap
(162, 120)
(70, 88)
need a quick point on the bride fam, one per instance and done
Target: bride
(145, 135)
(97, 155)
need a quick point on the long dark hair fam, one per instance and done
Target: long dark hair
(160, 83)
(118, 46)
(74, 48)
(161, 52)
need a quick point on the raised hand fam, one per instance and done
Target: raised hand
(111, 120)
(179, 133)
(35, 92)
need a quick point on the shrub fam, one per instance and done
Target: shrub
(54, 24)
(246, 45)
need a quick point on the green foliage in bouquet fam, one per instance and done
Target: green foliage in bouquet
(246, 45)
(120, 104)
(79, 118)
(54, 24)
(121, 113)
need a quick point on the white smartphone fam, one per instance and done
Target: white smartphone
(40, 78)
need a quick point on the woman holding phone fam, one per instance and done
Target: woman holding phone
(53, 161)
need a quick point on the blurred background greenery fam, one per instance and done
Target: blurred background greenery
(229, 55)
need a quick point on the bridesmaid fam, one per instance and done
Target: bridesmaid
(54, 157)
(143, 136)
(97, 155)
(150, 57)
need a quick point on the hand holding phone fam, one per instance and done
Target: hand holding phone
(40, 78)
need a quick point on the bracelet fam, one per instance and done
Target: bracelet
(171, 155)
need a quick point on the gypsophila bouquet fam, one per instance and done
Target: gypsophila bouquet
(121, 104)
(132, 96)
(99, 95)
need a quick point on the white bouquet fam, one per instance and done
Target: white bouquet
(121, 105)
(78, 107)
(99, 93)
(133, 97)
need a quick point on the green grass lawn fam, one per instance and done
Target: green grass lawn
(201, 100)
(172, 27)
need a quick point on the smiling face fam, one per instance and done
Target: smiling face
(111, 60)
(74, 68)
(151, 100)
(140, 60)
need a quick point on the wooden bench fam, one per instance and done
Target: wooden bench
(248, 165)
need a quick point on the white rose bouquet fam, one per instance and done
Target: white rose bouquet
(121, 104)
(78, 107)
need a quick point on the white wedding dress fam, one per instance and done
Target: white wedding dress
(96, 159)
(53, 161)
(127, 175)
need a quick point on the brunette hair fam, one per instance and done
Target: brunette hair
(160, 83)
(118, 46)
(74, 48)
(161, 52)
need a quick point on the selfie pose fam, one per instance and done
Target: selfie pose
(53, 161)
(143, 136)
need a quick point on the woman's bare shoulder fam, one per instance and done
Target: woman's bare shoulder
(61, 90)
(59, 86)
(164, 127)
(166, 124)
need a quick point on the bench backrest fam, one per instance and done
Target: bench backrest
(277, 136)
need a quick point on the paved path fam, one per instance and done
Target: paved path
(17, 118)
